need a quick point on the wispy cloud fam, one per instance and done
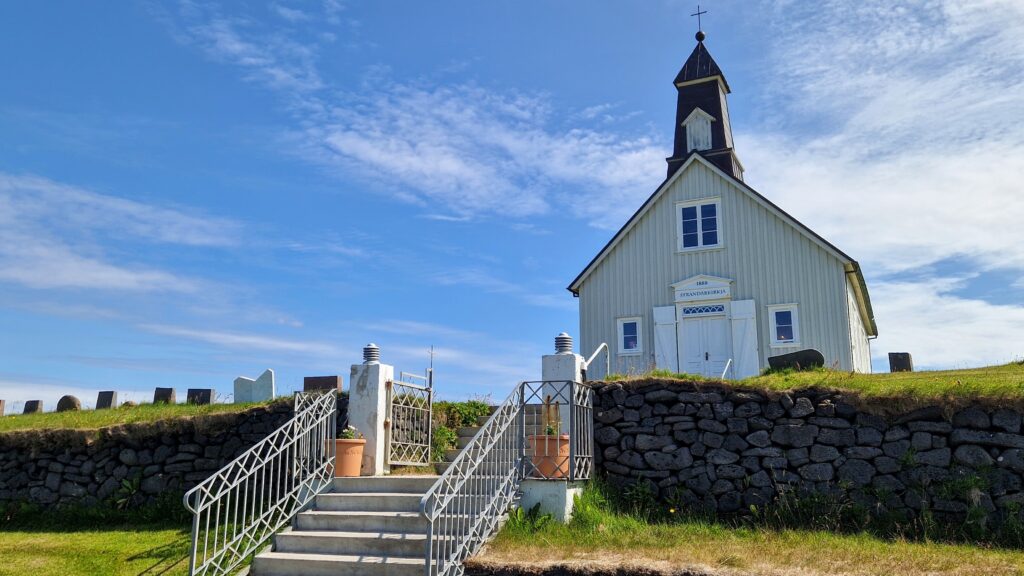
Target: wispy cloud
(476, 278)
(246, 341)
(53, 236)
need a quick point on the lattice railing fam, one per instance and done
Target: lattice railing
(242, 505)
(409, 423)
(467, 503)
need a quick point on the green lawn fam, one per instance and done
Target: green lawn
(107, 551)
(599, 537)
(993, 385)
(93, 419)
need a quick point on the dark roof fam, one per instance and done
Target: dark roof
(699, 65)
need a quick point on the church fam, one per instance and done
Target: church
(709, 276)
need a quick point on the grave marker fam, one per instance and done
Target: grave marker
(199, 396)
(69, 403)
(259, 390)
(107, 399)
(900, 362)
(319, 383)
(33, 407)
(165, 395)
(1, 407)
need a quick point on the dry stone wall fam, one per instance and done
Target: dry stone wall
(52, 468)
(725, 449)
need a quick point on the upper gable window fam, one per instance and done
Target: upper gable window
(698, 224)
(698, 130)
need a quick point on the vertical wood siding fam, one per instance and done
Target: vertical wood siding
(860, 345)
(769, 261)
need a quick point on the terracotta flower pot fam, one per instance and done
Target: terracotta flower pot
(550, 454)
(348, 459)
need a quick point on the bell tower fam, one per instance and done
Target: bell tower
(702, 114)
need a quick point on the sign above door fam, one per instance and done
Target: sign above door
(702, 287)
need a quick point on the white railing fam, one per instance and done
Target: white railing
(466, 505)
(242, 505)
(603, 347)
(408, 426)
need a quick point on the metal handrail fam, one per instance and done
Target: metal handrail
(607, 358)
(466, 504)
(242, 505)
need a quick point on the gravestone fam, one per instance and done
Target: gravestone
(799, 360)
(164, 395)
(33, 407)
(258, 390)
(900, 362)
(1, 407)
(199, 396)
(319, 383)
(69, 404)
(107, 399)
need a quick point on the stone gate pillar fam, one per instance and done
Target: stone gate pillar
(367, 407)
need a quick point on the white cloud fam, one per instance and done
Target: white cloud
(476, 278)
(52, 236)
(247, 341)
(941, 329)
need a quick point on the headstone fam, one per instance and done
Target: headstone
(33, 407)
(259, 390)
(106, 400)
(200, 396)
(1, 407)
(900, 362)
(69, 404)
(164, 395)
(318, 383)
(799, 360)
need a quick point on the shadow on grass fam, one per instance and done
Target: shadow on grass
(165, 558)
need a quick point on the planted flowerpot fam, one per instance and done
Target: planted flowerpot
(550, 455)
(348, 459)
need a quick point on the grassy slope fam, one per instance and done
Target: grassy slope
(93, 419)
(600, 537)
(994, 385)
(110, 551)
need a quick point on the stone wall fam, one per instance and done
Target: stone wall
(87, 467)
(725, 449)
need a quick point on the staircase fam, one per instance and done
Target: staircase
(362, 526)
(534, 425)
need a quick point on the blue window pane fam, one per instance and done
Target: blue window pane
(784, 318)
(710, 238)
(629, 343)
(689, 240)
(707, 211)
(709, 224)
(629, 328)
(690, 213)
(689, 226)
(784, 333)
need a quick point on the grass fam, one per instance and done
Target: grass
(138, 550)
(1001, 385)
(601, 538)
(94, 419)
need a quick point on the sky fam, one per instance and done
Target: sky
(193, 191)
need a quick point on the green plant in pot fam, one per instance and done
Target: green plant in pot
(550, 450)
(348, 459)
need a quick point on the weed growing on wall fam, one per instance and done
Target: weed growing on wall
(449, 417)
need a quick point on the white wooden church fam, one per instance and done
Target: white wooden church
(711, 277)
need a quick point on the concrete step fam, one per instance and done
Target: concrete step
(357, 521)
(299, 564)
(352, 543)
(413, 484)
(468, 431)
(369, 501)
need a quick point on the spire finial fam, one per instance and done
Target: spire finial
(700, 32)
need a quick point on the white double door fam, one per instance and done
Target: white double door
(705, 344)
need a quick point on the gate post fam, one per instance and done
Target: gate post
(368, 407)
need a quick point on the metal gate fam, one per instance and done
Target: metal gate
(410, 413)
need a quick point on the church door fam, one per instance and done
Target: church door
(705, 344)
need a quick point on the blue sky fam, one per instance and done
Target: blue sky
(193, 191)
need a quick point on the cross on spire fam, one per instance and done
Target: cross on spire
(698, 14)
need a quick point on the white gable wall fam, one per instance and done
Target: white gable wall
(861, 346)
(769, 260)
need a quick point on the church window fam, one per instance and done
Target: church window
(630, 341)
(698, 130)
(785, 325)
(698, 225)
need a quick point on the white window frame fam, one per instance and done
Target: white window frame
(794, 310)
(620, 329)
(700, 228)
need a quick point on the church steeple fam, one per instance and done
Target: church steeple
(702, 114)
